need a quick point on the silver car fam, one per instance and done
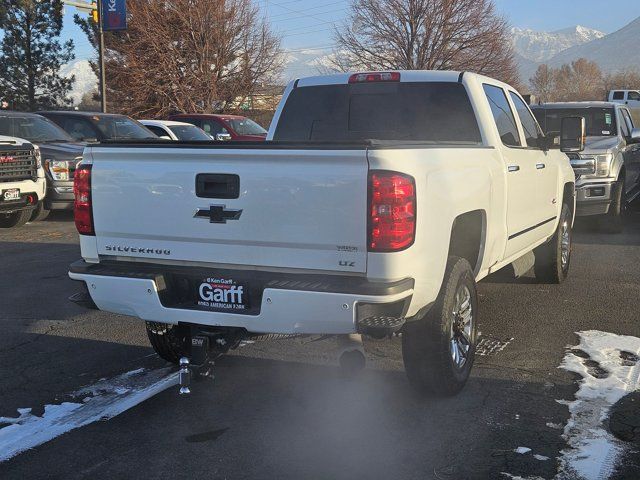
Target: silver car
(608, 170)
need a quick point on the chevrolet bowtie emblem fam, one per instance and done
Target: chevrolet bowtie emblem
(218, 214)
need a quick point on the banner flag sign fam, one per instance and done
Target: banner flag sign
(114, 15)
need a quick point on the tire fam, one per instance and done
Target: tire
(15, 219)
(167, 340)
(39, 213)
(438, 354)
(613, 220)
(554, 257)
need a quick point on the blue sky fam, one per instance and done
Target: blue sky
(308, 23)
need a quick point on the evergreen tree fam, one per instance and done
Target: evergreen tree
(31, 55)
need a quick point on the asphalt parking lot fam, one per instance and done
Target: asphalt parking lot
(282, 409)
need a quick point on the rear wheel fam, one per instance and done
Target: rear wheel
(554, 257)
(15, 219)
(169, 341)
(439, 349)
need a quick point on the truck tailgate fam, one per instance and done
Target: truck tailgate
(293, 208)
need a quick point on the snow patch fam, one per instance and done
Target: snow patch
(102, 401)
(542, 458)
(606, 378)
(522, 450)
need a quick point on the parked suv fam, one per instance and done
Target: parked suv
(22, 184)
(60, 155)
(97, 127)
(607, 171)
(225, 127)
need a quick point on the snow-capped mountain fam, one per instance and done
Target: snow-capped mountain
(302, 63)
(86, 80)
(617, 51)
(541, 46)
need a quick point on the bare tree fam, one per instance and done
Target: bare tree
(627, 79)
(189, 55)
(543, 83)
(576, 81)
(426, 35)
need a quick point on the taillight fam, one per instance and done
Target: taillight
(375, 77)
(82, 209)
(392, 211)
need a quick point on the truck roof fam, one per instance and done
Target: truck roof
(589, 104)
(405, 76)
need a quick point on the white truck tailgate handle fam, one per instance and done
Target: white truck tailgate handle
(540, 166)
(513, 168)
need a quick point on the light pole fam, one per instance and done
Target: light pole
(103, 81)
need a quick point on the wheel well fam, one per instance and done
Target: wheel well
(569, 192)
(467, 237)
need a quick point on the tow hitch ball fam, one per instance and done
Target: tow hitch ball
(185, 376)
(198, 364)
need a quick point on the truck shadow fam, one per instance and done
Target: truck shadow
(264, 418)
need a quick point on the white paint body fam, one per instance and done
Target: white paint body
(38, 186)
(299, 206)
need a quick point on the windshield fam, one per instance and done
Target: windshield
(245, 126)
(189, 133)
(601, 121)
(436, 112)
(32, 128)
(119, 127)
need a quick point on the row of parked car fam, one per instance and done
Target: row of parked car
(607, 172)
(36, 175)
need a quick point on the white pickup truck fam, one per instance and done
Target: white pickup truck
(374, 207)
(22, 181)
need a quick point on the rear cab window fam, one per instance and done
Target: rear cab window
(618, 95)
(428, 112)
(503, 115)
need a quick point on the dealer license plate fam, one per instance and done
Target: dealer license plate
(11, 194)
(221, 294)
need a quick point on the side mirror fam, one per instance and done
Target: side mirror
(635, 136)
(223, 137)
(573, 131)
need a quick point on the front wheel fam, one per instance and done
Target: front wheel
(613, 220)
(15, 219)
(439, 349)
(554, 257)
(39, 213)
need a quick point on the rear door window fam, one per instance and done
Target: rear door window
(79, 128)
(159, 131)
(213, 128)
(432, 112)
(503, 115)
(618, 95)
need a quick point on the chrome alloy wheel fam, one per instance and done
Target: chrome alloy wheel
(565, 243)
(461, 327)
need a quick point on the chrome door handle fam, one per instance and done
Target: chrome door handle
(513, 168)
(540, 166)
